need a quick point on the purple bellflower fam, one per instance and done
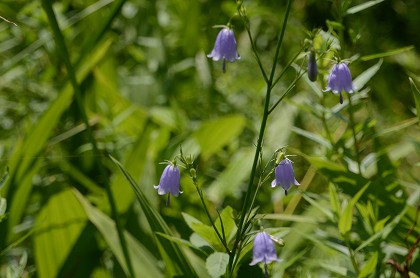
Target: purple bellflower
(285, 176)
(169, 182)
(339, 80)
(263, 251)
(225, 47)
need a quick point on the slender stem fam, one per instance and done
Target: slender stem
(353, 129)
(63, 51)
(352, 257)
(200, 193)
(246, 205)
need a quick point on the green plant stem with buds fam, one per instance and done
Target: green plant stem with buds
(246, 208)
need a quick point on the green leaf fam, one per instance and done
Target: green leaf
(216, 264)
(363, 78)
(416, 94)
(369, 267)
(213, 135)
(206, 232)
(58, 227)
(143, 261)
(334, 199)
(363, 6)
(388, 53)
(346, 218)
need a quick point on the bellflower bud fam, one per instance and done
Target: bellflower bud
(312, 67)
(340, 80)
(169, 182)
(285, 176)
(225, 47)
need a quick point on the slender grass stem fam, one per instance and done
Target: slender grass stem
(63, 51)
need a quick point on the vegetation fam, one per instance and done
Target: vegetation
(97, 97)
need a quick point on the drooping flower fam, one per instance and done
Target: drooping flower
(263, 251)
(225, 47)
(312, 67)
(285, 176)
(340, 80)
(169, 182)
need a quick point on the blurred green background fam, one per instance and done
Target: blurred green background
(148, 88)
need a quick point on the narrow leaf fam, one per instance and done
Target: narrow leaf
(363, 6)
(369, 267)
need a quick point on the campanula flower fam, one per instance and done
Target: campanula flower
(312, 67)
(340, 80)
(225, 47)
(169, 182)
(285, 176)
(263, 251)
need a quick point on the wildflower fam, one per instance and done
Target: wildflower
(312, 67)
(169, 182)
(225, 47)
(339, 80)
(263, 251)
(285, 176)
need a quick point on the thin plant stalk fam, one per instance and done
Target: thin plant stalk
(63, 51)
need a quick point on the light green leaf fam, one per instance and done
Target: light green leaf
(213, 135)
(216, 264)
(335, 205)
(387, 54)
(363, 78)
(58, 227)
(369, 267)
(346, 219)
(363, 6)
(143, 261)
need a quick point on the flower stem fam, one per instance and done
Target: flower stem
(63, 51)
(246, 208)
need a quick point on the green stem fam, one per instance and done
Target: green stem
(222, 239)
(63, 51)
(246, 205)
(351, 252)
(353, 129)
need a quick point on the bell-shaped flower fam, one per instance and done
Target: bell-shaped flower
(312, 67)
(285, 176)
(263, 251)
(340, 80)
(169, 182)
(225, 47)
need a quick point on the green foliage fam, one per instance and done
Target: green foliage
(143, 80)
